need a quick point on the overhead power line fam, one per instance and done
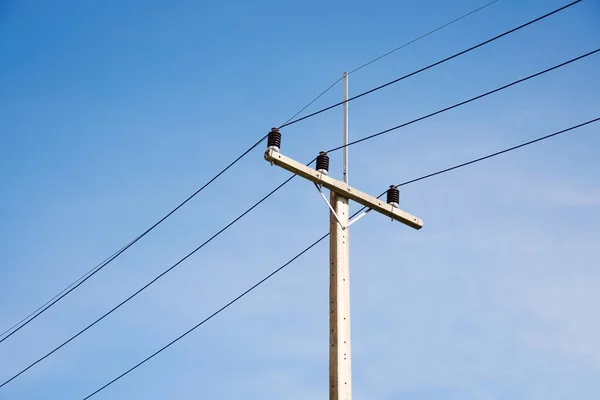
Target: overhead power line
(78, 282)
(423, 36)
(210, 316)
(262, 200)
(253, 287)
(60, 293)
(100, 266)
(466, 101)
(507, 150)
(146, 285)
(430, 65)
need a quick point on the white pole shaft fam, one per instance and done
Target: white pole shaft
(340, 361)
(340, 364)
(345, 127)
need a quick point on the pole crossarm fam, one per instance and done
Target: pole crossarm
(342, 189)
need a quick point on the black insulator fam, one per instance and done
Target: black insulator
(274, 139)
(393, 196)
(323, 162)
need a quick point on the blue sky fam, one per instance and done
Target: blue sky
(113, 112)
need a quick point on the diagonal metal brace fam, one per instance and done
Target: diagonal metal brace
(353, 220)
(362, 214)
(330, 207)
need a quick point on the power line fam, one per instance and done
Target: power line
(153, 280)
(279, 187)
(313, 100)
(324, 236)
(491, 155)
(146, 285)
(423, 36)
(78, 282)
(100, 266)
(465, 102)
(107, 261)
(57, 295)
(211, 316)
(85, 277)
(430, 65)
(443, 171)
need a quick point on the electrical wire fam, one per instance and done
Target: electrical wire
(116, 254)
(209, 317)
(151, 282)
(507, 150)
(83, 279)
(100, 266)
(15, 328)
(279, 187)
(61, 292)
(464, 102)
(423, 36)
(146, 285)
(430, 65)
(324, 236)
(88, 275)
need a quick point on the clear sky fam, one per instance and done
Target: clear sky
(113, 112)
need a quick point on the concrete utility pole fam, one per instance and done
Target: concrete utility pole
(340, 360)
(340, 365)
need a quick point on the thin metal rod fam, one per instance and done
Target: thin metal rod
(329, 205)
(358, 217)
(346, 127)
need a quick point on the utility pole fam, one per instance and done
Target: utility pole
(340, 362)
(340, 349)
